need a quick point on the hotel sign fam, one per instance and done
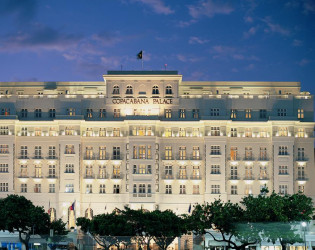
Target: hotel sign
(142, 101)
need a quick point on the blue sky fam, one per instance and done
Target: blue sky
(79, 40)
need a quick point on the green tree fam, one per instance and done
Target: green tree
(18, 214)
(165, 226)
(280, 215)
(228, 220)
(111, 229)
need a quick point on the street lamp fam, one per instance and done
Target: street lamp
(304, 224)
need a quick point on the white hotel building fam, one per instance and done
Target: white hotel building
(148, 139)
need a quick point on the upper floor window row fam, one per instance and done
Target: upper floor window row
(155, 90)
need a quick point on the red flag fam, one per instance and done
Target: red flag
(72, 206)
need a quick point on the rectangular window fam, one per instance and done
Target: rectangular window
(89, 113)
(301, 155)
(248, 132)
(23, 152)
(69, 168)
(5, 111)
(38, 113)
(248, 153)
(102, 172)
(69, 149)
(283, 131)
(4, 187)
(116, 153)
(182, 153)
(233, 189)
(4, 149)
(182, 132)
(168, 132)
(215, 169)
(263, 173)
(301, 173)
(167, 113)
(102, 189)
(248, 172)
(69, 188)
(23, 172)
(215, 150)
(196, 153)
(262, 153)
(38, 152)
(102, 113)
(234, 175)
(102, 153)
(182, 189)
(23, 188)
(116, 189)
(168, 189)
(233, 132)
(300, 113)
(196, 173)
(233, 154)
(89, 188)
(4, 168)
(52, 152)
(195, 132)
(52, 171)
(215, 189)
(38, 188)
(168, 172)
(182, 172)
(116, 113)
(283, 150)
(283, 170)
(4, 130)
(116, 132)
(116, 172)
(24, 113)
(196, 189)
(52, 113)
(263, 133)
(38, 132)
(71, 111)
(301, 189)
(248, 113)
(89, 155)
(195, 113)
(282, 112)
(168, 153)
(52, 188)
(102, 132)
(214, 112)
(262, 113)
(38, 171)
(283, 189)
(233, 113)
(215, 131)
(182, 113)
(301, 133)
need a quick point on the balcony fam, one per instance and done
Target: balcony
(301, 159)
(88, 157)
(249, 178)
(142, 195)
(301, 178)
(23, 157)
(263, 178)
(168, 158)
(52, 177)
(52, 157)
(249, 158)
(195, 177)
(117, 176)
(168, 177)
(182, 177)
(102, 176)
(89, 176)
(263, 159)
(233, 177)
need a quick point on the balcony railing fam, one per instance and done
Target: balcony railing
(117, 176)
(182, 177)
(103, 176)
(168, 177)
(195, 177)
(249, 177)
(89, 176)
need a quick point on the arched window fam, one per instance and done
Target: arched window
(89, 213)
(168, 90)
(155, 90)
(129, 90)
(52, 214)
(116, 90)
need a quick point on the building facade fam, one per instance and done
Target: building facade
(148, 139)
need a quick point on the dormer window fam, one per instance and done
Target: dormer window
(155, 90)
(168, 90)
(129, 90)
(116, 90)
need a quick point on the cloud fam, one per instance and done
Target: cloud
(248, 19)
(222, 52)
(252, 31)
(303, 62)
(22, 10)
(209, 8)
(40, 37)
(197, 40)
(184, 24)
(185, 58)
(297, 43)
(275, 28)
(250, 66)
(308, 6)
(157, 6)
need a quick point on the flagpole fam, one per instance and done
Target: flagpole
(142, 60)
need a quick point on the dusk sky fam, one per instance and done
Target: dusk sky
(214, 40)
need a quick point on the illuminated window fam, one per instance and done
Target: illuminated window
(248, 113)
(102, 132)
(116, 113)
(102, 153)
(301, 132)
(182, 172)
(5, 111)
(23, 172)
(182, 132)
(168, 132)
(263, 153)
(168, 113)
(182, 153)
(248, 153)
(102, 172)
(195, 113)
(102, 113)
(196, 172)
(195, 189)
(233, 113)
(89, 153)
(69, 149)
(168, 153)
(71, 111)
(283, 131)
(196, 153)
(263, 133)
(182, 113)
(263, 173)
(116, 172)
(300, 113)
(248, 172)
(89, 113)
(116, 132)
(38, 131)
(195, 132)
(248, 132)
